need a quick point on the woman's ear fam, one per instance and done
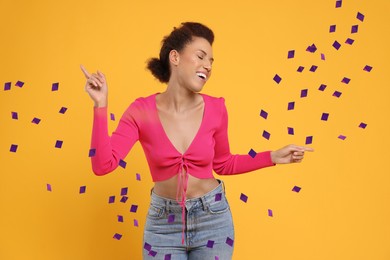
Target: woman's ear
(174, 57)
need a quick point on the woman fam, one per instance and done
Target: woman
(184, 137)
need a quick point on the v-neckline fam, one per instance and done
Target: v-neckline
(163, 130)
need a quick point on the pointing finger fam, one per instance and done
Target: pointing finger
(86, 74)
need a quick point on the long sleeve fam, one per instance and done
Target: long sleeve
(224, 162)
(110, 150)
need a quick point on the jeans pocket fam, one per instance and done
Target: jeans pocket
(218, 207)
(156, 211)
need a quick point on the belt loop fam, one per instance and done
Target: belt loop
(167, 202)
(204, 203)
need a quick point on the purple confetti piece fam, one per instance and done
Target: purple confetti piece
(124, 199)
(171, 218)
(218, 197)
(82, 189)
(14, 115)
(363, 125)
(345, 80)
(229, 241)
(216, 258)
(7, 86)
(349, 41)
(124, 191)
(111, 199)
(210, 243)
(19, 84)
(117, 236)
(337, 94)
(324, 116)
(296, 189)
(339, 3)
(270, 213)
(138, 176)
(291, 106)
(311, 48)
(92, 152)
(290, 130)
(266, 135)
(147, 247)
(136, 223)
(354, 28)
(59, 144)
(252, 153)
(133, 208)
(342, 137)
(63, 110)
(336, 45)
(120, 218)
(263, 114)
(332, 28)
(112, 117)
(322, 56)
(291, 54)
(313, 68)
(277, 78)
(309, 140)
(122, 164)
(54, 86)
(167, 257)
(360, 16)
(243, 197)
(300, 69)
(322, 87)
(152, 253)
(304, 93)
(36, 120)
(367, 68)
(48, 187)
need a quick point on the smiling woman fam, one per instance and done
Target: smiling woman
(184, 136)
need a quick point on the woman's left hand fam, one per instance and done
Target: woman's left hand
(290, 154)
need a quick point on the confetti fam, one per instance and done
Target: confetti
(152, 253)
(82, 189)
(218, 197)
(167, 257)
(322, 87)
(291, 54)
(349, 41)
(345, 80)
(171, 218)
(363, 125)
(290, 130)
(124, 191)
(304, 93)
(133, 208)
(296, 189)
(342, 137)
(277, 78)
(336, 45)
(324, 116)
(111, 199)
(360, 16)
(354, 28)
(300, 69)
(13, 148)
(229, 241)
(7, 86)
(112, 117)
(313, 68)
(332, 28)
(54, 86)
(36, 120)
(322, 56)
(243, 197)
(367, 68)
(252, 153)
(124, 199)
(311, 48)
(291, 106)
(19, 84)
(309, 140)
(63, 110)
(117, 236)
(266, 135)
(216, 258)
(48, 187)
(138, 176)
(337, 94)
(270, 213)
(120, 218)
(210, 244)
(339, 3)
(136, 223)
(147, 247)
(122, 164)
(59, 144)
(263, 114)
(14, 115)
(92, 152)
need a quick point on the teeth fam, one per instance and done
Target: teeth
(202, 75)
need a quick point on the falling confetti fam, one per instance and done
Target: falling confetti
(229, 241)
(266, 135)
(122, 164)
(296, 189)
(54, 86)
(277, 78)
(252, 153)
(7, 86)
(263, 114)
(14, 148)
(82, 189)
(243, 197)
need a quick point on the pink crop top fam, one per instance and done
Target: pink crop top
(208, 151)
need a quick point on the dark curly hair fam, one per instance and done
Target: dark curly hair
(177, 40)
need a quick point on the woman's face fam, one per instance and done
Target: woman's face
(193, 67)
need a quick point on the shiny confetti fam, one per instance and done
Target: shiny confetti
(342, 137)
(270, 213)
(136, 223)
(290, 130)
(322, 87)
(291, 54)
(313, 68)
(345, 80)
(218, 197)
(304, 93)
(252, 153)
(243, 197)
(336, 45)
(112, 117)
(312, 48)
(296, 189)
(171, 218)
(117, 236)
(300, 69)
(367, 68)
(339, 3)
(92, 152)
(19, 84)
(14, 115)
(63, 110)
(138, 176)
(354, 28)
(7, 86)
(48, 187)
(120, 218)
(210, 243)
(324, 116)
(349, 41)
(322, 56)
(122, 164)
(363, 125)
(59, 144)
(152, 253)
(36, 120)
(263, 114)
(111, 199)
(337, 94)
(124, 199)
(147, 247)
(332, 28)
(266, 135)
(133, 208)
(124, 191)
(82, 189)
(277, 78)
(14, 148)
(360, 16)
(309, 140)
(291, 106)
(54, 86)
(229, 241)
(167, 257)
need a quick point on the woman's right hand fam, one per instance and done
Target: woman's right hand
(96, 87)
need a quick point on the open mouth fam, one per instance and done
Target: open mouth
(201, 75)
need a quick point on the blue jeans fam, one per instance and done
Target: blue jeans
(209, 232)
